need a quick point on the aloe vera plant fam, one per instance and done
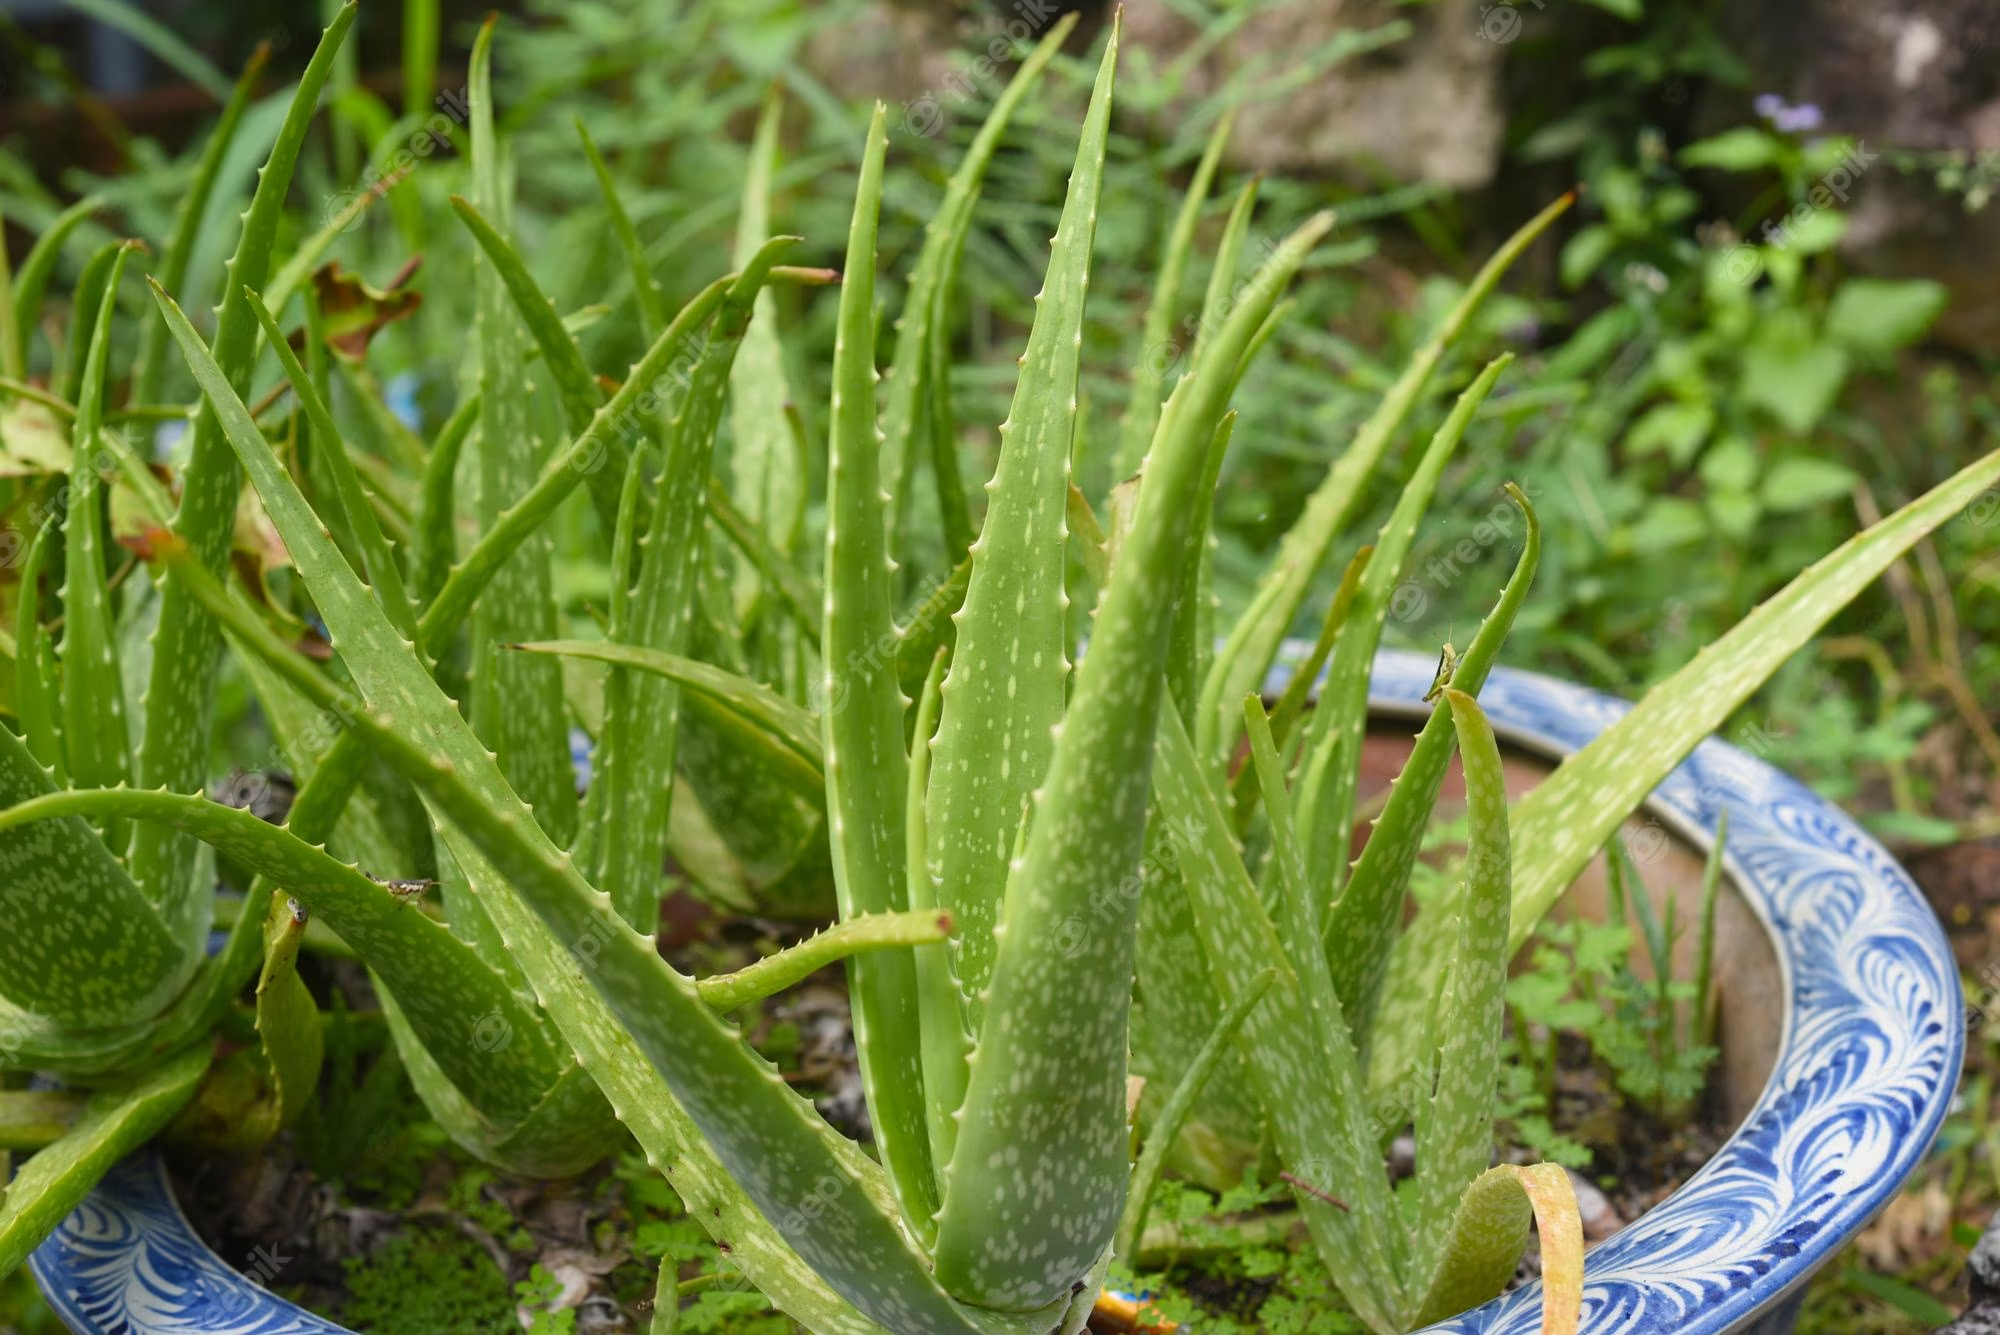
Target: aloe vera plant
(1013, 829)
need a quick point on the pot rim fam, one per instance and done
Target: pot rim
(1871, 1041)
(1873, 1035)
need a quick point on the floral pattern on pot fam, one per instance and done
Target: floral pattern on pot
(1872, 1043)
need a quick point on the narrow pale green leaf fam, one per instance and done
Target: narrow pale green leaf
(763, 481)
(1297, 1050)
(1228, 255)
(645, 288)
(1005, 690)
(1298, 906)
(117, 1121)
(31, 283)
(1332, 763)
(36, 701)
(179, 699)
(1146, 1172)
(149, 380)
(159, 39)
(95, 741)
(947, 1041)
(1381, 877)
(517, 702)
(1253, 643)
(931, 281)
(288, 1027)
(1455, 1130)
(1565, 820)
(1158, 348)
(861, 719)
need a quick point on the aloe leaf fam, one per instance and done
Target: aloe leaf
(947, 1042)
(1489, 1233)
(32, 281)
(929, 627)
(1157, 349)
(88, 947)
(1228, 255)
(32, 1119)
(791, 733)
(1455, 1133)
(91, 285)
(1167, 1126)
(646, 289)
(924, 303)
(435, 540)
(1245, 786)
(637, 749)
(1296, 1046)
(115, 1123)
(624, 415)
(844, 940)
(628, 1011)
(941, 427)
(762, 478)
(517, 700)
(1192, 643)
(861, 719)
(179, 699)
(1037, 1128)
(795, 590)
(36, 701)
(1253, 643)
(379, 561)
(1571, 814)
(149, 379)
(576, 388)
(96, 744)
(1334, 730)
(1004, 691)
(288, 1026)
(1287, 862)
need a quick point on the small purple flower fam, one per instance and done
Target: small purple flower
(1769, 105)
(1793, 120)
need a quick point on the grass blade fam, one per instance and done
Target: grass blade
(646, 289)
(32, 281)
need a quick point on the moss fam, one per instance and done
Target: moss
(427, 1282)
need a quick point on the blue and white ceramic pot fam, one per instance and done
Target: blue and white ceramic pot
(1862, 1036)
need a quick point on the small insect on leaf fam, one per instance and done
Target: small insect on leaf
(1447, 666)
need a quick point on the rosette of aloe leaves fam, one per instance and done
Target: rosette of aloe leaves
(1021, 796)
